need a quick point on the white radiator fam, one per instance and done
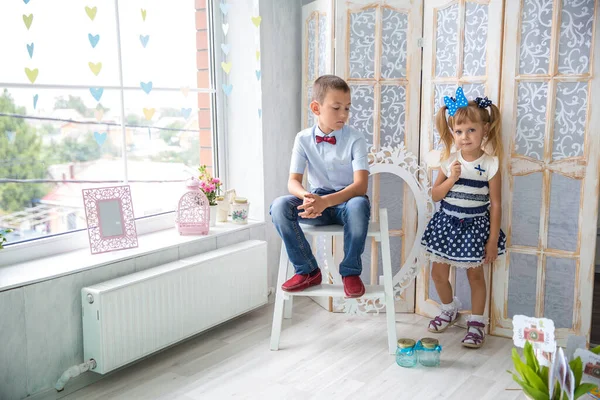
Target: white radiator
(130, 317)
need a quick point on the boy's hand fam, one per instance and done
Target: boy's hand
(313, 206)
(491, 251)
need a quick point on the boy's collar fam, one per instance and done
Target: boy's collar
(319, 132)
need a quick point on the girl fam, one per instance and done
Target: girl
(465, 232)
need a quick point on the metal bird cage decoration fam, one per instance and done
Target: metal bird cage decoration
(193, 212)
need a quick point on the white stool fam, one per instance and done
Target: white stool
(283, 300)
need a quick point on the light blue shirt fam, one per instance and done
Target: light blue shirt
(330, 166)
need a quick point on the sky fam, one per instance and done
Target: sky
(62, 50)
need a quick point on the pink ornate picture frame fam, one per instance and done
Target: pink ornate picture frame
(110, 219)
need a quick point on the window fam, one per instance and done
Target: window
(124, 96)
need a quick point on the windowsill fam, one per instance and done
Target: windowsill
(46, 268)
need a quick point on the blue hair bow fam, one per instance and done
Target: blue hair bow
(453, 105)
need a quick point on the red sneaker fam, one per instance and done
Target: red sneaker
(299, 282)
(353, 286)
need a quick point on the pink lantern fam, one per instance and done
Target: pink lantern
(193, 213)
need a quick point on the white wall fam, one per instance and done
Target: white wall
(259, 151)
(281, 37)
(40, 324)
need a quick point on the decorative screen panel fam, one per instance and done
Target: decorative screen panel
(476, 32)
(362, 43)
(563, 219)
(362, 110)
(393, 115)
(462, 41)
(536, 30)
(393, 44)
(376, 53)
(522, 284)
(462, 289)
(312, 47)
(550, 188)
(317, 58)
(446, 42)
(531, 119)
(559, 290)
(526, 205)
(570, 118)
(576, 29)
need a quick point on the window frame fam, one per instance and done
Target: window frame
(46, 246)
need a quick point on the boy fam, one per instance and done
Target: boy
(338, 171)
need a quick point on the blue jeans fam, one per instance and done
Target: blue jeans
(353, 215)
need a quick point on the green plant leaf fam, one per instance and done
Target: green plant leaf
(583, 389)
(527, 374)
(534, 379)
(596, 350)
(518, 364)
(544, 372)
(530, 358)
(577, 368)
(531, 391)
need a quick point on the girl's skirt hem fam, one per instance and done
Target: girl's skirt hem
(431, 256)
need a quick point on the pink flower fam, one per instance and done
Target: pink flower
(216, 180)
(211, 188)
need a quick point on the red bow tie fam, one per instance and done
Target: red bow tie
(328, 139)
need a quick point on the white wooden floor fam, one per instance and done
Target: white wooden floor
(322, 356)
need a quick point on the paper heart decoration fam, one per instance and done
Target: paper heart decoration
(146, 86)
(11, 135)
(149, 113)
(91, 12)
(99, 114)
(225, 48)
(185, 90)
(30, 50)
(95, 68)
(225, 28)
(144, 40)
(256, 21)
(186, 112)
(227, 89)
(257, 55)
(226, 67)
(258, 74)
(225, 8)
(100, 138)
(97, 93)
(35, 100)
(143, 14)
(93, 39)
(28, 19)
(31, 74)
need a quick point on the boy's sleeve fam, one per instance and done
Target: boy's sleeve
(299, 159)
(360, 161)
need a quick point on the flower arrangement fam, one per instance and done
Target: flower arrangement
(534, 378)
(209, 185)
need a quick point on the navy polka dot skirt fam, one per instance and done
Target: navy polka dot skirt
(459, 242)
